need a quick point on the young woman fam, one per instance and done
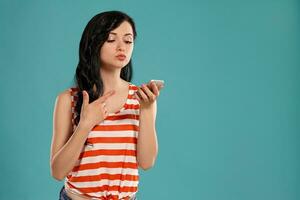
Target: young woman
(104, 126)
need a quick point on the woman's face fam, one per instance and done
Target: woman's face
(117, 49)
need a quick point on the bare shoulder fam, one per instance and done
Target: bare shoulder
(62, 124)
(64, 100)
(63, 110)
(64, 97)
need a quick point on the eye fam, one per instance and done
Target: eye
(110, 41)
(128, 41)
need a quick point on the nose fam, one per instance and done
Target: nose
(121, 46)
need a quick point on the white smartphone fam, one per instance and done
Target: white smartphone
(159, 83)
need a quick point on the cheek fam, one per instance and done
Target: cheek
(105, 52)
(130, 50)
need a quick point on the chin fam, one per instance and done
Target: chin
(121, 64)
(116, 65)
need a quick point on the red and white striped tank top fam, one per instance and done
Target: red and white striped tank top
(107, 167)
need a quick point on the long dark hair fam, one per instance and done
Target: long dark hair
(93, 37)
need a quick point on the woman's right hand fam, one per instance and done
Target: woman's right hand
(95, 112)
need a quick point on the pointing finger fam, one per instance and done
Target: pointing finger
(85, 98)
(104, 105)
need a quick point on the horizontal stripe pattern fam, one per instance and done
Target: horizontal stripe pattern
(110, 146)
(105, 180)
(99, 177)
(102, 193)
(108, 188)
(107, 166)
(108, 152)
(121, 127)
(103, 170)
(113, 133)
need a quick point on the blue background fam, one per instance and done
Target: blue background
(228, 117)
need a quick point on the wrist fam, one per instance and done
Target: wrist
(147, 106)
(82, 125)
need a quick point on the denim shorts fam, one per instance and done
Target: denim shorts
(63, 195)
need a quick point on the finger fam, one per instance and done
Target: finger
(85, 98)
(160, 87)
(104, 109)
(143, 95)
(137, 96)
(106, 95)
(105, 112)
(154, 88)
(148, 92)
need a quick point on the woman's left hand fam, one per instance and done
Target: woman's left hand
(147, 94)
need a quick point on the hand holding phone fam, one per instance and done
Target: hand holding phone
(159, 83)
(144, 92)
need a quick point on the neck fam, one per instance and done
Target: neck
(111, 79)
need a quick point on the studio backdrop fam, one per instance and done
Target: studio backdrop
(228, 119)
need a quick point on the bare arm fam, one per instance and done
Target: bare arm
(147, 147)
(66, 147)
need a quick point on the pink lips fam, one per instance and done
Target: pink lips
(121, 56)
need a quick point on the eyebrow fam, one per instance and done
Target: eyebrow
(124, 34)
